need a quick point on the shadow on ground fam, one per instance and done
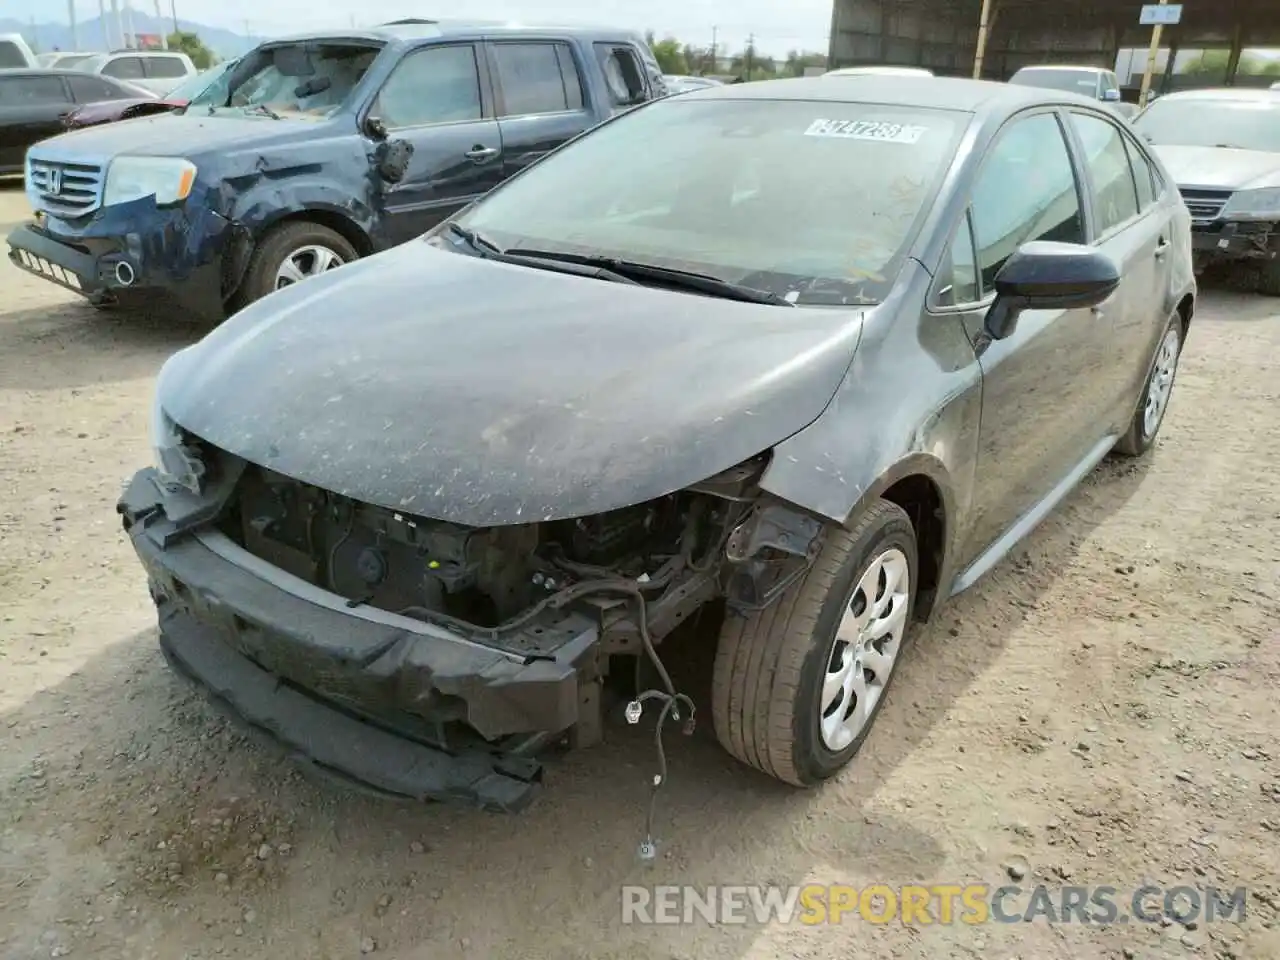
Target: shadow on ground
(137, 791)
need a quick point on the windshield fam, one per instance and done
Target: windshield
(1248, 124)
(1076, 81)
(307, 80)
(814, 202)
(69, 61)
(90, 64)
(204, 87)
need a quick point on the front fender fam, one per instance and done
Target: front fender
(909, 405)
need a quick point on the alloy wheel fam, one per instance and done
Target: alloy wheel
(865, 650)
(306, 262)
(1161, 386)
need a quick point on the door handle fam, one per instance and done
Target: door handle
(479, 153)
(1162, 248)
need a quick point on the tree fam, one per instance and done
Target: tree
(193, 47)
(798, 61)
(669, 53)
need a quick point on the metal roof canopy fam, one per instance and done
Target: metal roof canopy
(943, 34)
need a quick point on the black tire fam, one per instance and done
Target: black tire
(279, 243)
(770, 665)
(1269, 278)
(1138, 439)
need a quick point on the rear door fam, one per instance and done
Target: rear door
(1136, 232)
(31, 109)
(439, 100)
(539, 98)
(1040, 383)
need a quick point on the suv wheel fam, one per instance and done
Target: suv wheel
(290, 253)
(1145, 426)
(797, 686)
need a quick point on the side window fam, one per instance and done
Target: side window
(1026, 190)
(537, 78)
(31, 91)
(1104, 153)
(1144, 175)
(90, 89)
(433, 85)
(959, 274)
(165, 67)
(623, 73)
(124, 68)
(11, 55)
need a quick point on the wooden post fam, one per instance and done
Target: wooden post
(984, 23)
(1156, 32)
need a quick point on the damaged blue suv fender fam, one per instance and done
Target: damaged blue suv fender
(319, 150)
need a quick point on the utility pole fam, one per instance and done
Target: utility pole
(132, 43)
(715, 51)
(102, 22)
(173, 11)
(118, 23)
(75, 31)
(751, 54)
(164, 38)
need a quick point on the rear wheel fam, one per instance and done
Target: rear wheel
(1269, 278)
(797, 686)
(292, 253)
(1145, 426)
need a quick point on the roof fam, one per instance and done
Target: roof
(1226, 93)
(1063, 67)
(942, 93)
(409, 31)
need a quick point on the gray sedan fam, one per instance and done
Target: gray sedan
(809, 356)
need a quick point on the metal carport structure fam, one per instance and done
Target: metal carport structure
(943, 34)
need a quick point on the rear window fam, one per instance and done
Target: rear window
(1076, 81)
(11, 55)
(165, 67)
(30, 91)
(124, 68)
(816, 202)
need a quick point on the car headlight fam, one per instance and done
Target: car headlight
(1261, 204)
(168, 179)
(171, 452)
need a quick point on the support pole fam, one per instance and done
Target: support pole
(1152, 53)
(984, 25)
(75, 29)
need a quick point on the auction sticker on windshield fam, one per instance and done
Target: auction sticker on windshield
(866, 130)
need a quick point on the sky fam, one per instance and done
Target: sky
(778, 26)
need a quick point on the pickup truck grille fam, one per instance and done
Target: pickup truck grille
(65, 188)
(1205, 205)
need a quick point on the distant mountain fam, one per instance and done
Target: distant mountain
(49, 36)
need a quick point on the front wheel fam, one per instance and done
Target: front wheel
(797, 686)
(291, 253)
(1145, 426)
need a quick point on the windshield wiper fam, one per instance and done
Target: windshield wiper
(491, 251)
(263, 109)
(683, 279)
(1229, 146)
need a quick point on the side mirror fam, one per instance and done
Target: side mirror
(1044, 275)
(375, 128)
(1111, 96)
(393, 159)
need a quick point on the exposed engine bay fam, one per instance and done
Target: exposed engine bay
(666, 553)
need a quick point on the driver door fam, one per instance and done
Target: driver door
(435, 100)
(1040, 386)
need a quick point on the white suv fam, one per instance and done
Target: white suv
(156, 70)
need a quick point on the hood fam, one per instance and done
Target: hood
(1220, 168)
(485, 394)
(177, 135)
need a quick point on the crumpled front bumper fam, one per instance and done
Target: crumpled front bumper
(354, 692)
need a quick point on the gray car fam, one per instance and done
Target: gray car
(1093, 82)
(1222, 148)
(810, 357)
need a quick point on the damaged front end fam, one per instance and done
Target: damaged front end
(428, 659)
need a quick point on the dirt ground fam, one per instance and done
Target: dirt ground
(1100, 710)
